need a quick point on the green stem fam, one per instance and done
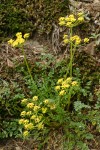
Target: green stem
(25, 60)
(71, 53)
(74, 49)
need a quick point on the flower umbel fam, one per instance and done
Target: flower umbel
(86, 40)
(35, 98)
(25, 134)
(19, 39)
(26, 35)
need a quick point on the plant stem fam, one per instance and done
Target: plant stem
(71, 53)
(25, 60)
(74, 49)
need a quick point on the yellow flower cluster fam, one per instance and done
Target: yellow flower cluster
(44, 109)
(23, 113)
(28, 113)
(71, 20)
(24, 101)
(30, 105)
(49, 104)
(40, 126)
(46, 101)
(36, 108)
(35, 98)
(86, 40)
(63, 85)
(25, 134)
(33, 116)
(19, 39)
(62, 21)
(75, 39)
(29, 126)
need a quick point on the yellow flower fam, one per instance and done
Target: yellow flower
(67, 19)
(26, 121)
(74, 83)
(71, 16)
(23, 113)
(36, 108)
(40, 117)
(35, 98)
(33, 117)
(57, 87)
(15, 43)
(25, 133)
(69, 24)
(40, 126)
(65, 36)
(78, 41)
(72, 38)
(69, 79)
(62, 23)
(26, 126)
(62, 92)
(80, 14)
(60, 81)
(24, 101)
(46, 101)
(73, 19)
(29, 126)
(19, 34)
(86, 40)
(26, 35)
(70, 20)
(52, 106)
(21, 121)
(76, 38)
(65, 41)
(37, 119)
(61, 19)
(65, 86)
(44, 110)
(20, 40)
(10, 41)
(64, 82)
(81, 19)
(28, 113)
(30, 105)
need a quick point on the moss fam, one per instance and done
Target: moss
(28, 16)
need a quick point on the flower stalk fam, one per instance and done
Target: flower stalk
(19, 43)
(74, 41)
(27, 65)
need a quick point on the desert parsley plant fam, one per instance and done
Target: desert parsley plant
(39, 114)
(18, 42)
(73, 40)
